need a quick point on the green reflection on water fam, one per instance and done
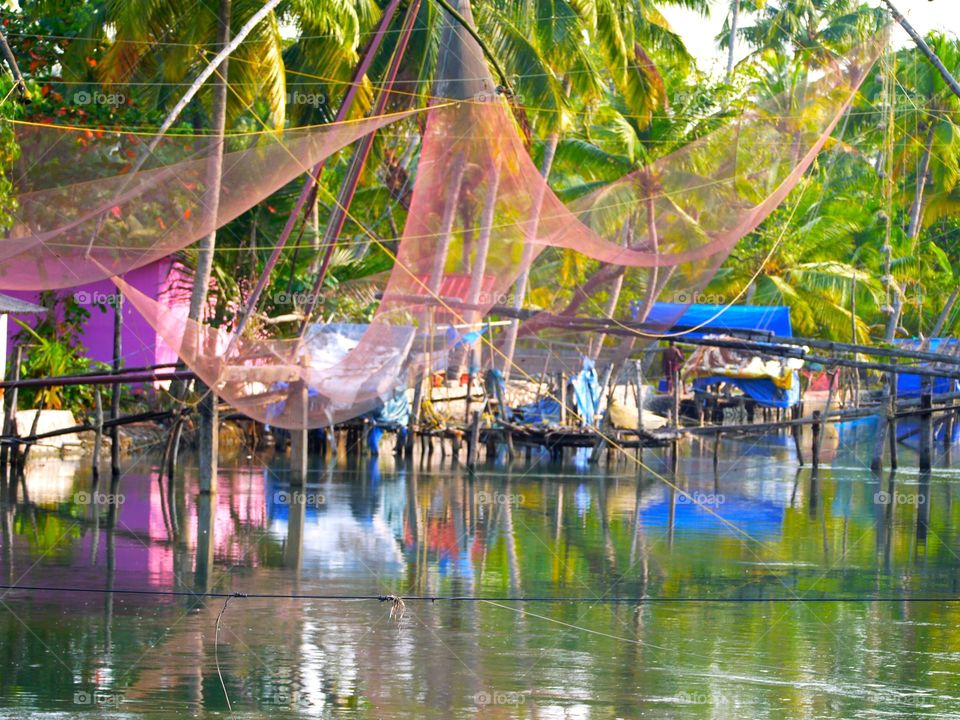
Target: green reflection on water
(535, 530)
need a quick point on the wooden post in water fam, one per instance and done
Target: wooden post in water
(877, 462)
(638, 365)
(413, 424)
(474, 440)
(208, 440)
(10, 414)
(795, 431)
(115, 388)
(892, 422)
(98, 437)
(299, 441)
(816, 430)
(563, 398)
(926, 424)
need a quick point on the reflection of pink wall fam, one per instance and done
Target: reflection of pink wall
(141, 346)
(144, 554)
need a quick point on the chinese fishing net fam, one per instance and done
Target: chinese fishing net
(483, 230)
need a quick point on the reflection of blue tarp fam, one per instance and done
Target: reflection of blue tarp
(909, 385)
(762, 390)
(751, 516)
(773, 319)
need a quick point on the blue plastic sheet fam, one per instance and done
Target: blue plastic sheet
(718, 318)
(586, 391)
(909, 385)
(585, 399)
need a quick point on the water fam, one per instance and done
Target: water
(536, 530)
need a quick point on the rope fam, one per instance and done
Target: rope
(397, 602)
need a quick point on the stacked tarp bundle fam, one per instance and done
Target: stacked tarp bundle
(768, 380)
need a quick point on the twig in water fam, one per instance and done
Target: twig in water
(216, 647)
(397, 606)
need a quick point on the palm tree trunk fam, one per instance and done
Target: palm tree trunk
(212, 173)
(925, 49)
(913, 230)
(209, 422)
(520, 289)
(916, 212)
(654, 240)
(734, 19)
(947, 307)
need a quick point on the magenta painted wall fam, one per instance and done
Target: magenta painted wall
(141, 346)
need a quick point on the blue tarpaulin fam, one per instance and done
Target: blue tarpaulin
(585, 400)
(719, 318)
(586, 391)
(908, 385)
(762, 390)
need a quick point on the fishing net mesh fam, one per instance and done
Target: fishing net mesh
(484, 235)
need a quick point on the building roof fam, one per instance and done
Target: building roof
(14, 305)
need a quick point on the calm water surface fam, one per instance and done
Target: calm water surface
(528, 529)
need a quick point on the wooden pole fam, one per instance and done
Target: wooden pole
(98, 436)
(638, 364)
(563, 398)
(795, 430)
(10, 412)
(816, 431)
(115, 388)
(474, 442)
(892, 422)
(208, 439)
(413, 423)
(926, 426)
(877, 462)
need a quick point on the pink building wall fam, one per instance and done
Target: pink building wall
(141, 346)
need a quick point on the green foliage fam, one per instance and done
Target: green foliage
(52, 348)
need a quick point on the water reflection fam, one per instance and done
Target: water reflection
(759, 529)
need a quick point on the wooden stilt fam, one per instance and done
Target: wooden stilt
(208, 440)
(816, 432)
(926, 425)
(98, 436)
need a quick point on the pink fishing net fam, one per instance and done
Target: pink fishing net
(82, 216)
(481, 218)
